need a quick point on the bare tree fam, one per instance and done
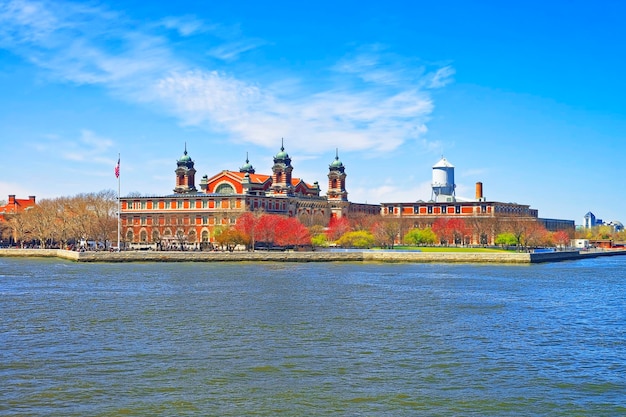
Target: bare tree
(41, 220)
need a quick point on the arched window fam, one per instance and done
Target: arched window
(143, 236)
(205, 236)
(129, 236)
(225, 189)
(155, 236)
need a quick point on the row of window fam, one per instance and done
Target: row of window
(430, 209)
(178, 204)
(190, 237)
(204, 220)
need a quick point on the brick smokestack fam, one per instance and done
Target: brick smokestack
(479, 191)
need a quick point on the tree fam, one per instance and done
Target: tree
(451, 230)
(19, 227)
(181, 238)
(357, 239)
(103, 206)
(246, 224)
(319, 240)
(525, 229)
(310, 219)
(265, 229)
(483, 228)
(420, 237)
(290, 232)
(41, 221)
(337, 227)
(230, 238)
(506, 239)
(386, 230)
(361, 221)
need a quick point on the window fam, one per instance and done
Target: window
(457, 209)
(168, 205)
(225, 189)
(430, 209)
(143, 205)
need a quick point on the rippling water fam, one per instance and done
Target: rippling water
(312, 339)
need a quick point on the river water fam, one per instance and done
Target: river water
(336, 339)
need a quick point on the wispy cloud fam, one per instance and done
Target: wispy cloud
(232, 51)
(185, 25)
(88, 147)
(371, 100)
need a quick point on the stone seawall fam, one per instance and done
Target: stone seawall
(356, 256)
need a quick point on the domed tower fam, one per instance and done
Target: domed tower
(337, 180)
(281, 173)
(443, 181)
(247, 167)
(185, 175)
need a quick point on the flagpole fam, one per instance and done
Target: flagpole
(118, 203)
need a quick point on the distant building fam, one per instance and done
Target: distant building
(590, 220)
(13, 206)
(16, 205)
(193, 215)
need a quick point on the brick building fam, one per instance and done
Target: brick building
(190, 215)
(13, 205)
(479, 214)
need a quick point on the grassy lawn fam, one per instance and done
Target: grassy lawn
(448, 249)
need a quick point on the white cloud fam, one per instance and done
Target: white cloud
(232, 50)
(374, 100)
(442, 77)
(184, 25)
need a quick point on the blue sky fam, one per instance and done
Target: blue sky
(527, 98)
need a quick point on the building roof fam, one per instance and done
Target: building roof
(443, 163)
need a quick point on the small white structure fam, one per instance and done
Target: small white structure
(580, 243)
(443, 185)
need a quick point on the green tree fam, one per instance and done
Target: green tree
(319, 240)
(420, 237)
(506, 239)
(357, 239)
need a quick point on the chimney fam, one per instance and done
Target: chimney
(479, 191)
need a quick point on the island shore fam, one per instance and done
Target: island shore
(315, 256)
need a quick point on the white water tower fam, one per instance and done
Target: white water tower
(443, 181)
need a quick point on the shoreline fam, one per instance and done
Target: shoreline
(356, 256)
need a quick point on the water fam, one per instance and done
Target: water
(272, 339)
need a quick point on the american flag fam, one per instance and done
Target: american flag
(117, 168)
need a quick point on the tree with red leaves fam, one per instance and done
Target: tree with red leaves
(246, 224)
(290, 232)
(337, 227)
(450, 230)
(561, 238)
(265, 229)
